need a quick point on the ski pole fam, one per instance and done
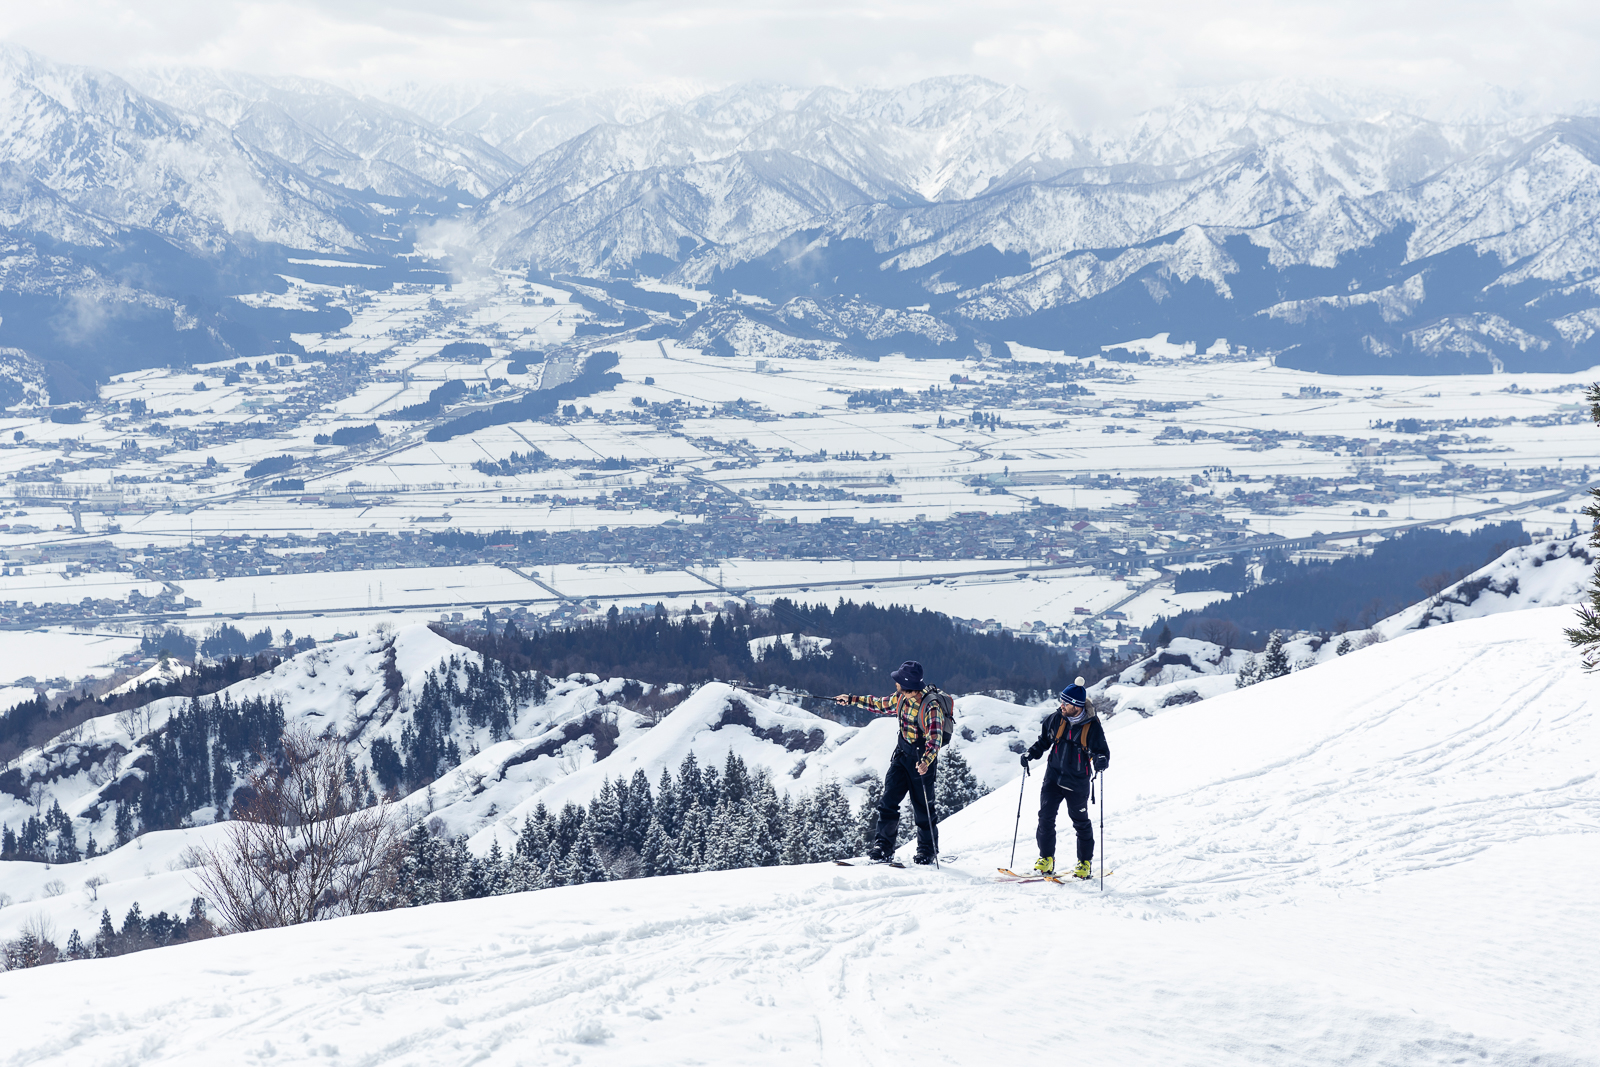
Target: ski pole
(1102, 776)
(933, 825)
(1017, 828)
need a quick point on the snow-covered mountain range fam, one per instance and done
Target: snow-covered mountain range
(1344, 230)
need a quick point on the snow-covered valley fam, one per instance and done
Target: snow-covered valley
(1385, 859)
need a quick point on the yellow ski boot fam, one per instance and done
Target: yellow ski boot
(1045, 865)
(1084, 869)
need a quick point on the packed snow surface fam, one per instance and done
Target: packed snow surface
(1388, 858)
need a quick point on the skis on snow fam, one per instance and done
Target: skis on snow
(1005, 874)
(863, 861)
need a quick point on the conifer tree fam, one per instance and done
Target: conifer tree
(724, 839)
(668, 805)
(867, 820)
(605, 818)
(690, 784)
(1586, 635)
(798, 830)
(766, 820)
(832, 826)
(584, 863)
(957, 785)
(689, 855)
(105, 939)
(641, 809)
(656, 854)
(1275, 661)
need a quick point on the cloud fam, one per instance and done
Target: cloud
(1097, 59)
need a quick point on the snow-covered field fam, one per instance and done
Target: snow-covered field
(1388, 858)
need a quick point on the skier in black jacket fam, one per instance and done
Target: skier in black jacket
(1077, 745)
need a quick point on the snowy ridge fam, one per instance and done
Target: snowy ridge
(1302, 870)
(1544, 574)
(558, 746)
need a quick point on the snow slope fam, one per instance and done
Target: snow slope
(1543, 574)
(1383, 859)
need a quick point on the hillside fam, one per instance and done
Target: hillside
(1385, 859)
(465, 746)
(1546, 573)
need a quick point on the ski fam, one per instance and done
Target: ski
(864, 862)
(1009, 876)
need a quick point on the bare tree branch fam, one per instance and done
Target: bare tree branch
(300, 847)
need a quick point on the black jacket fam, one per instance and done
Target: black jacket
(1076, 753)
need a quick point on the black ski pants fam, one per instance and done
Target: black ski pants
(1075, 791)
(902, 780)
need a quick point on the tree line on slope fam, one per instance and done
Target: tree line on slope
(867, 641)
(701, 821)
(35, 721)
(35, 946)
(1356, 590)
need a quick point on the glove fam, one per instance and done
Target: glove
(1102, 762)
(1025, 758)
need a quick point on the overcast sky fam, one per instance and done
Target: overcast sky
(1099, 59)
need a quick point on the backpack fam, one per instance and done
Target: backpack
(947, 711)
(1077, 740)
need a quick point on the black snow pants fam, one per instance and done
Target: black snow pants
(1075, 791)
(901, 780)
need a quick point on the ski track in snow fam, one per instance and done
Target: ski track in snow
(1386, 859)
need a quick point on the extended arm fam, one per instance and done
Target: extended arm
(876, 705)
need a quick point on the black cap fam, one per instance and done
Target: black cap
(909, 675)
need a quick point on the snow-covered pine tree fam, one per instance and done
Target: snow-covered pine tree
(1586, 635)
(1249, 674)
(1275, 661)
(668, 805)
(605, 818)
(957, 786)
(417, 882)
(105, 939)
(690, 784)
(797, 831)
(536, 842)
(766, 820)
(710, 788)
(725, 846)
(657, 855)
(867, 819)
(496, 872)
(832, 826)
(640, 809)
(584, 863)
(690, 845)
